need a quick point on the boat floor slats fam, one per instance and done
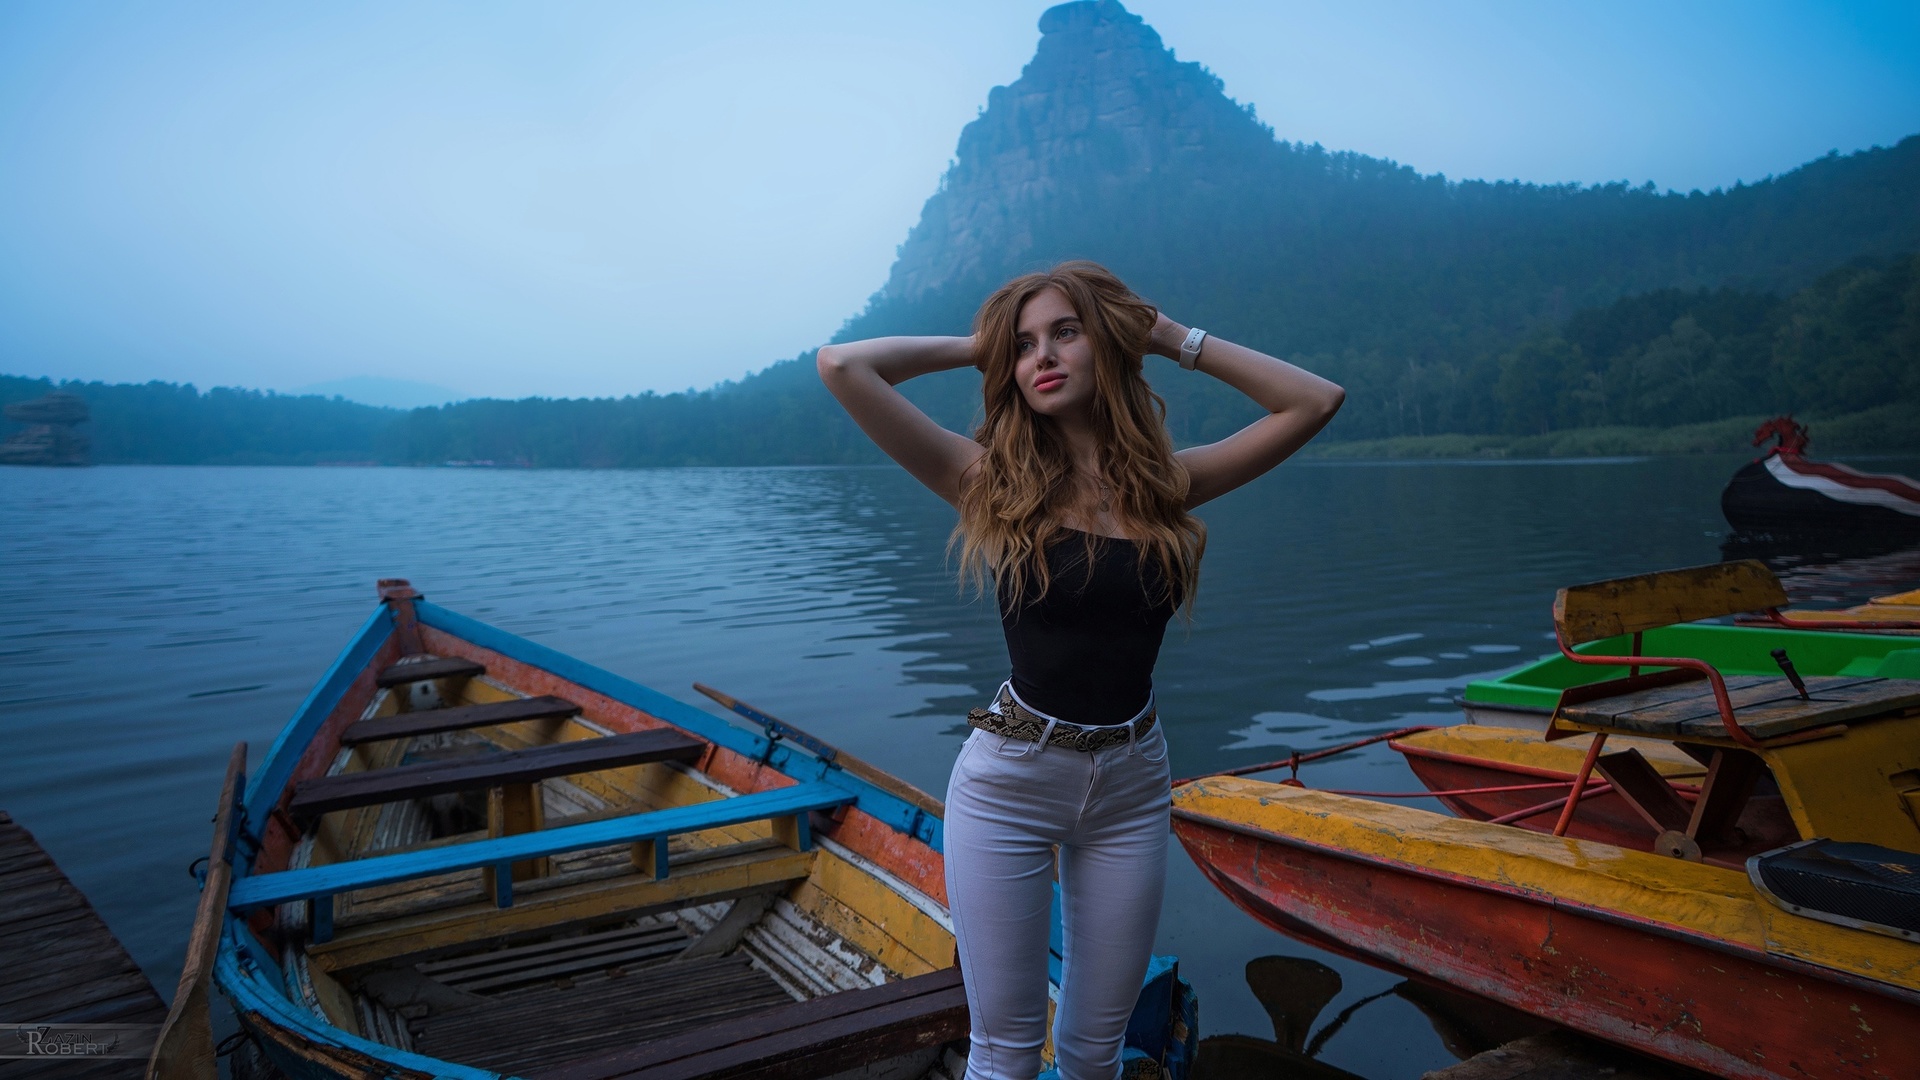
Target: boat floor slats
(1765, 707)
(445, 667)
(58, 961)
(433, 721)
(818, 1037)
(344, 791)
(632, 956)
(459, 965)
(527, 1029)
(504, 970)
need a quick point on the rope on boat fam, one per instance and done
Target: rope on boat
(1451, 791)
(1293, 761)
(1296, 759)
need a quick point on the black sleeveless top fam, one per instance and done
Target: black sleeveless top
(1084, 652)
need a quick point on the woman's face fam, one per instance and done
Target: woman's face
(1055, 357)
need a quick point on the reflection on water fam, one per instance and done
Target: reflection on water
(154, 615)
(1295, 990)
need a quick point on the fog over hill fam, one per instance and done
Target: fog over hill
(1443, 305)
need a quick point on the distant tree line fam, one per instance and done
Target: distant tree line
(160, 423)
(1846, 343)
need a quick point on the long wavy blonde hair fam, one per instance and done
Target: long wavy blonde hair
(1015, 501)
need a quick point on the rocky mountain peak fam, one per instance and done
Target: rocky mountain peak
(1103, 103)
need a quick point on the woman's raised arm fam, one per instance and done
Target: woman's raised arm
(1298, 403)
(863, 374)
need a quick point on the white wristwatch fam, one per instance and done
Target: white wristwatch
(1190, 348)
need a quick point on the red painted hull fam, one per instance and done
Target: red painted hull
(1730, 1010)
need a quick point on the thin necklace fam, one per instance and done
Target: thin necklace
(1105, 495)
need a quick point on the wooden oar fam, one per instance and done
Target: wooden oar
(185, 1049)
(879, 778)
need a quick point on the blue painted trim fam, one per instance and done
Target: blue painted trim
(888, 808)
(265, 890)
(284, 754)
(247, 986)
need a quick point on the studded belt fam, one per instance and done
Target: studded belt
(1013, 721)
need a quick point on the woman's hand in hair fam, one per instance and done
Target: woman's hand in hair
(1166, 337)
(863, 374)
(1298, 403)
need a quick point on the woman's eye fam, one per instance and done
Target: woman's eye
(1024, 345)
(1067, 332)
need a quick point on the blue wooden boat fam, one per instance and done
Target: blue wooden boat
(468, 855)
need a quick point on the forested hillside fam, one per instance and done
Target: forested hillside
(1443, 306)
(1847, 344)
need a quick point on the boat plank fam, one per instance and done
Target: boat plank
(525, 1029)
(345, 791)
(459, 718)
(264, 890)
(871, 938)
(808, 1038)
(707, 881)
(443, 667)
(58, 961)
(1765, 707)
(1830, 705)
(827, 1048)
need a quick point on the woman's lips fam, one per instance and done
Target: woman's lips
(1047, 382)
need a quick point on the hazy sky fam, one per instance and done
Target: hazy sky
(600, 199)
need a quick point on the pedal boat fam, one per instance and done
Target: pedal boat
(1785, 492)
(1679, 941)
(470, 856)
(1820, 643)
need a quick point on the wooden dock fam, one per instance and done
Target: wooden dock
(59, 964)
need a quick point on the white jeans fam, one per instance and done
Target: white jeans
(1008, 803)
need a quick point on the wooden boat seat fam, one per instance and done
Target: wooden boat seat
(443, 667)
(434, 721)
(1690, 699)
(824, 1036)
(788, 807)
(1764, 708)
(344, 791)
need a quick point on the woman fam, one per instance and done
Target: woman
(1072, 498)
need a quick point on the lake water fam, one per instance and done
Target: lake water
(151, 617)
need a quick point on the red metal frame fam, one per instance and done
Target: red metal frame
(1777, 618)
